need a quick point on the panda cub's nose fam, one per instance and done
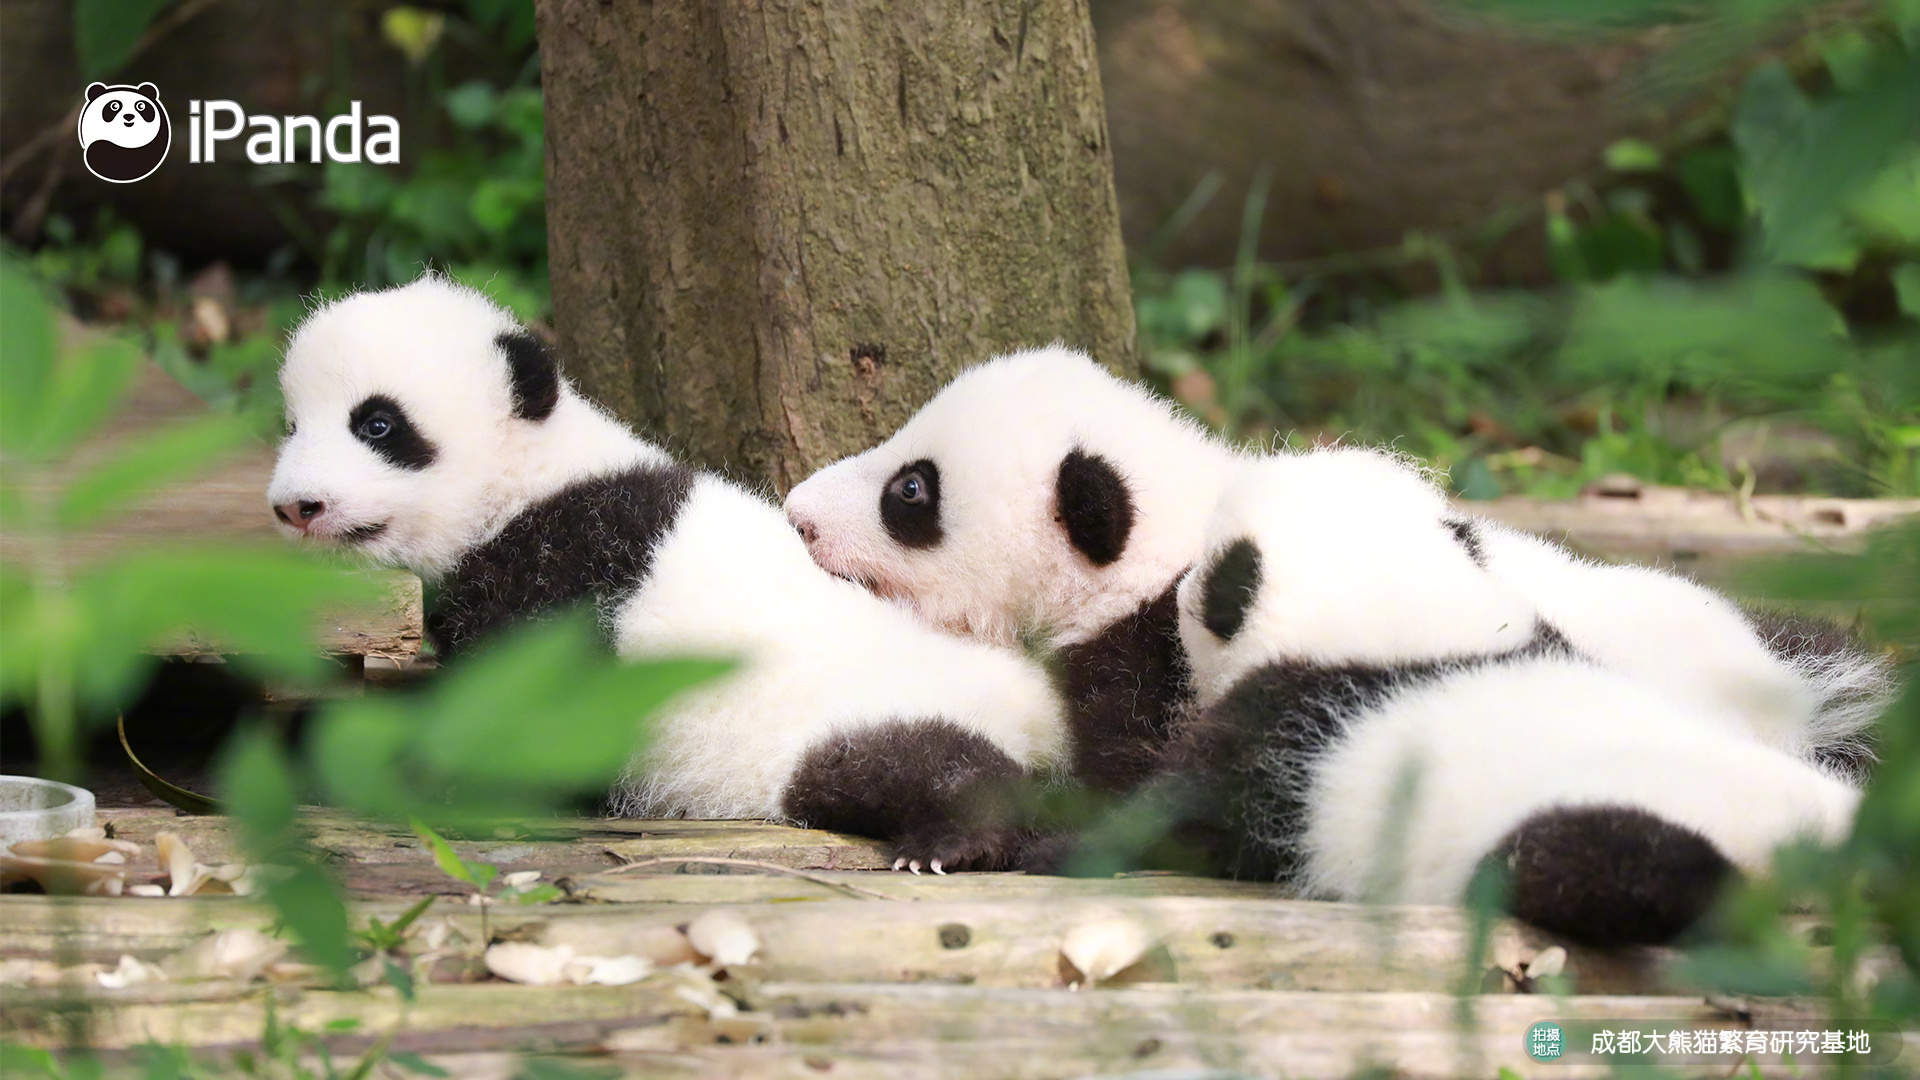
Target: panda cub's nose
(299, 514)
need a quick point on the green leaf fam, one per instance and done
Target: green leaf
(1906, 16)
(414, 31)
(1906, 283)
(27, 352)
(398, 978)
(1888, 211)
(1633, 155)
(417, 1065)
(449, 863)
(1711, 178)
(1770, 335)
(145, 465)
(258, 787)
(105, 31)
(259, 603)
(411, 915)
(1849, 57)
(590, 714)
(554, 1068)
(258, 783)
(357, 749)
(539, 894)
(471, 104)
(86, 387)
(1805, 161)
(18, 1060)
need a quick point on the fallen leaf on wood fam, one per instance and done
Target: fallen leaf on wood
(241, 953)
(723, 937)
(1105, 947)
(130, 972)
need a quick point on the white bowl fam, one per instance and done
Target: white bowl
(35, 809)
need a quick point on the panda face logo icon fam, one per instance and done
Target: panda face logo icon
(124, 132)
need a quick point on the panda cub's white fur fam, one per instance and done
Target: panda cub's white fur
(1379, 714)
(731, 577)
(430, 431)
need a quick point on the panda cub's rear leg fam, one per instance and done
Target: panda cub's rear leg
(944, 798)
(1610, 875)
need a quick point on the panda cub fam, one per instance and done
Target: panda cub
(1379, 714)
(1039, 490)
(428, 430)
(1037, 494)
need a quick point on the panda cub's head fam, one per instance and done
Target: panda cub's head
(1339, 557)
(1035, 491)
(420, 419)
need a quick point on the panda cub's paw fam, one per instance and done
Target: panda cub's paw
(941, 796)
(943, 848)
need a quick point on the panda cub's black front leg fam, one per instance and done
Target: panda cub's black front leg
(944, 798)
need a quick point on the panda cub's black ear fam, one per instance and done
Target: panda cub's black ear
(533, 372)
(1232, 581)
(94, 90)
(1092, 501)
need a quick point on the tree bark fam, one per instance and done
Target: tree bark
(776, 227)
(1376, 118)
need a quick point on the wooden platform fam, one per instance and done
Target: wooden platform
(870, 973)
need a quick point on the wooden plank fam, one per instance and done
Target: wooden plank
(575, 846)
(859, 1030)
(1204, 941)
(1697, 530)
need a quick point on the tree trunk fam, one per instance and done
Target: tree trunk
(776, 227)
(1376, 117)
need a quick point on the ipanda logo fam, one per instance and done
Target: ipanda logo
(124, 132)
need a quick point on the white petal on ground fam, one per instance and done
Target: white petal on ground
(130, 972)
(176, 858)
(1105, 947)
(240, 953)
(723, 937)
(531, 965)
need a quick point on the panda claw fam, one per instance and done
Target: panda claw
(900, 863)
(935, 867)
(914, 866)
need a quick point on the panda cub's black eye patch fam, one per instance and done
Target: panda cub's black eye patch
(383, 426)
(1231, 584)
(910, 505)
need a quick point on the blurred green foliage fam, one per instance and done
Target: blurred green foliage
(1745, 304)
(77, 635)
(474, 204)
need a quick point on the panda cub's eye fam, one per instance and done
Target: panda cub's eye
(112, 110)
(910, 489)
(910, 505)
(145, 110)
(377, 426)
